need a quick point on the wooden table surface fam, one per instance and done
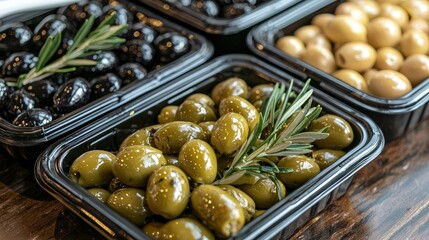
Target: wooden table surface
(388, 199)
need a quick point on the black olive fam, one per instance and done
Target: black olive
(15, 37)
(78, 12)
(141, 31)
(130, 72)
(19, 63)
(235, 10)
(18, 102)
(137, 51)
(33, 118)
(60, 78)
(50, 26)
(72, 95)
(4, 90)
(106, 61)
(43, 90)
(105, 84)
(170, 46)
(206, 7)
(123, 16)
(182, 2)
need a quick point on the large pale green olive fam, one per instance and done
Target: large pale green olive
(198, 159)
(394, 12)
(352, 78)
(100, 193)
(342, 29)
(389, 84)
(131, 204)
(358, 56)
(352, 10)
(203, 99)
(416, 8)
(260, 92)
(414, 42)
(416, 68)
(418, 24)
(233, 86)
(264, 192)
(245, 201)
(167, 114)
(307, 32)
(135, 164)
(321, 20)
(207, 128)
(383, 32)
(168, 191)
(241, 106)
(93, 168)
(320, 40)
(185, 229)
(152, 229)
(304, 168)
(218, 209)
(191, 111)
(258, 213)
(291, 45)
(229, 133)
(320, 58)
(325, 157)
(370, 7)
(143, 136)
(388, 58)
(171, 137)
(340, 132)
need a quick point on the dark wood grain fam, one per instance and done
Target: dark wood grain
(388, 199)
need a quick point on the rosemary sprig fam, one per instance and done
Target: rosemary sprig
(86, 42)
(253, 156)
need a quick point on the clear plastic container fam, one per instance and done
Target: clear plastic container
(280, 221)
(394, 116)
(26, 143)
(226, 34)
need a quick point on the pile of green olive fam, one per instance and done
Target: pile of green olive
(379, 47)
(162, 177)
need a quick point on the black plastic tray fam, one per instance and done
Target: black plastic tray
(394, 116)
(27, 143)
(279, 221)
(226, 34)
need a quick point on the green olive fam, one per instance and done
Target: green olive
(388, 58)
(418, 24)
(131, 204)
(198, 159)
(218, 209)
(167, 114)
(304, 168)
(258, 105)
(191, 111)
(321, 20)
(370, 7)
(414, 42)
(224, 162)
(291, 45)
(143, 136)
(207, 128)
(260, 92)
(416, 68)
(264, 192)
(241, 106)
(383, 32)
(325, 157)
(93, 168)
(258, 213)
(152, 229)
(389, 84)
(394, 12)
(171, 137)
(416, 9)
(116, 184)
(233, 86)
(352, 10)
(186, 229)
(320, 40)
(340, 132)
(135, 164)
(358, 56)
(320, 58)
(307, 32)
(172, 160)
(229, 133)
(352, 78)
(342, 29)
(245, 201)
(100, 193)
(168, 191)
(203, 99)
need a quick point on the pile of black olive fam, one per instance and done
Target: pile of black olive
(220, 8)
(147, 48)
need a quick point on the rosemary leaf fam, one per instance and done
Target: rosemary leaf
(61, 70)
(107, 22)
(81, 62)
(82, 34)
